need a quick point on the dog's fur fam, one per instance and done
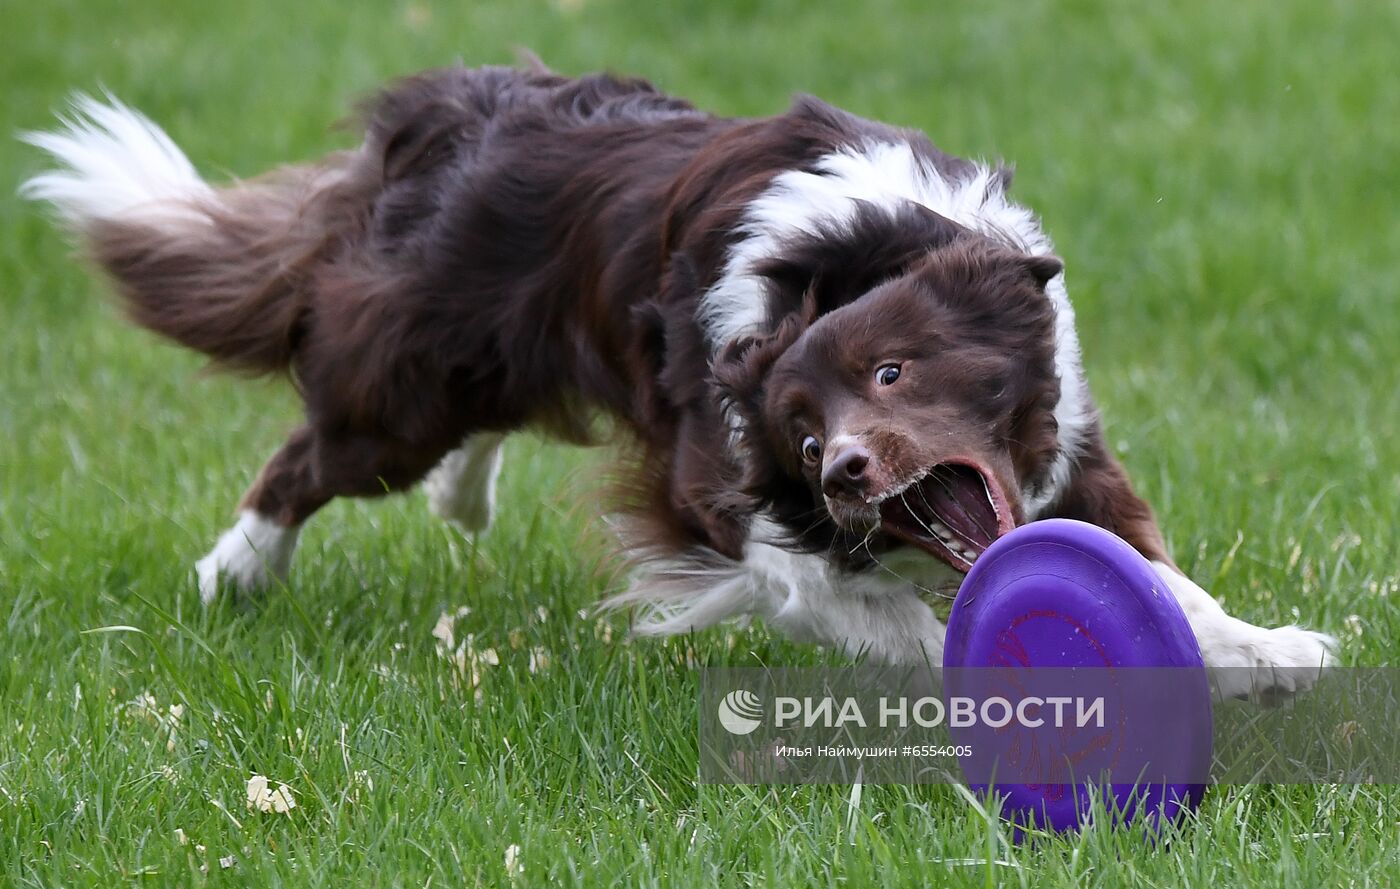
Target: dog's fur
(515, 248)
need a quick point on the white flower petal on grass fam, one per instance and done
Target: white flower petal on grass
(282, 799)
(513, 864)
(145, 705)
(443, 630)
(539, 659)
(262, 798)
(470, 664)
(257, 791)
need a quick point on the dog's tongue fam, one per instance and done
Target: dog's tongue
(957, 497)
(950, 512)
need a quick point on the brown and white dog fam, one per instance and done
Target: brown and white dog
(848, 358)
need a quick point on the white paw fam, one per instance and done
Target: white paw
(462, 488)
(247, 558)
(1268, 666)
(1245, 661)
(472, 514)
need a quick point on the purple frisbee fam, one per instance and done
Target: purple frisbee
(1057, 610)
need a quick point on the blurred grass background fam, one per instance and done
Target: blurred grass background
(1221, 179)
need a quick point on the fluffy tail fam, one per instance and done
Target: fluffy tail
(220, 271)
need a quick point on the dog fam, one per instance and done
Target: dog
(846, 360)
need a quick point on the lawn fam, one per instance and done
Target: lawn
(1221, 179)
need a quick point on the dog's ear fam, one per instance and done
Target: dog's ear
(668, 353)
(742, 365)
(1043, 268)
(740, 372)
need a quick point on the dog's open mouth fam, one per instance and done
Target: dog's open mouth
(953, 511)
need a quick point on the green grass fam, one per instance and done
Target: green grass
(1221, 181)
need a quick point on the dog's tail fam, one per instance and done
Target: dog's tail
(218, 270)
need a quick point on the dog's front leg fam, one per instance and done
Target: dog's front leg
(462, 487)
(1246, 661)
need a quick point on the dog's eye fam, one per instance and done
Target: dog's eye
(887, 374)
(811, 449)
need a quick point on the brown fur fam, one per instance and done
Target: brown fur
(233, 285)
(515, 248)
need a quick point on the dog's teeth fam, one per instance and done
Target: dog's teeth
(951, 541)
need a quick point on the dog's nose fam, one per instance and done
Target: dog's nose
(845, 474)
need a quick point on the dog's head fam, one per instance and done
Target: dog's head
(916, 414)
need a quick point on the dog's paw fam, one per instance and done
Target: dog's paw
(470, 512)
(462, 488)
(1269, 666)
(239, 577)
(248, 557)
